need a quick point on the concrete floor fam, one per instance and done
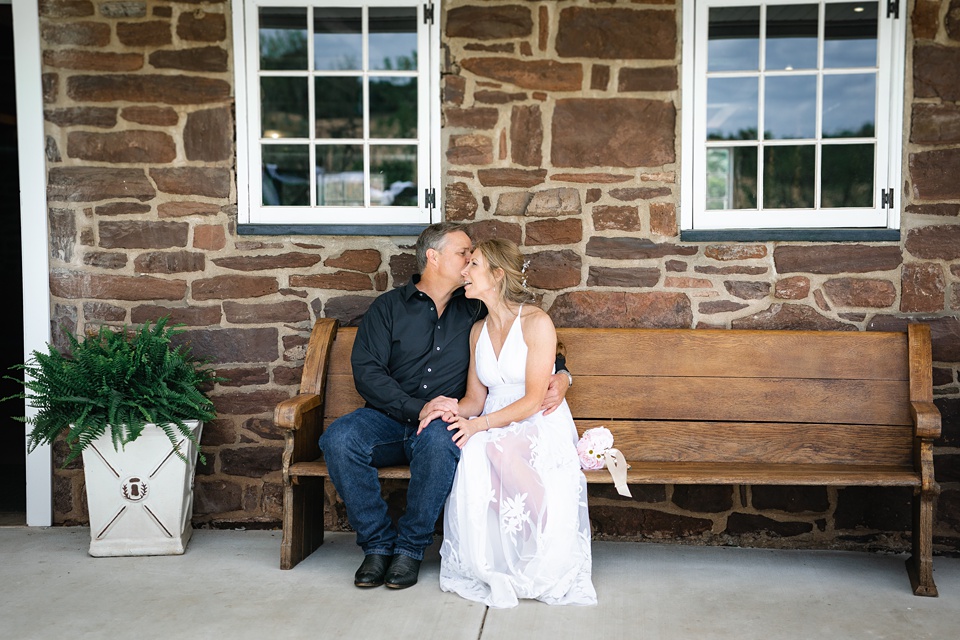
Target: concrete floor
(228, 585)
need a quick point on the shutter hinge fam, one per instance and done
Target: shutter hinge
(886, 198)
(430, 195)
(428, 13)
(893, 9)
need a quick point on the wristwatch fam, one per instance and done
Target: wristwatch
(569, 376)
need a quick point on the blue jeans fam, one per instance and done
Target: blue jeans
(355, 445)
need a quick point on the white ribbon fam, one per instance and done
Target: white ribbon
(618, 470)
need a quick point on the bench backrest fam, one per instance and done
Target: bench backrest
(696, 395)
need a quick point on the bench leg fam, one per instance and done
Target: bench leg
(302, 520)
(920, 564)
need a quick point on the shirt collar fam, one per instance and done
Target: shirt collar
(410, 289)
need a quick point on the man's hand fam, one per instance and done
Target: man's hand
(556, 391)
(439, 407)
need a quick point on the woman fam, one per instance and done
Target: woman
(515, 523)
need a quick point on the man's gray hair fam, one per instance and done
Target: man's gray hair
(433, 237)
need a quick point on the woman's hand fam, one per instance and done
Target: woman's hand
(447, 416)
(465, 428)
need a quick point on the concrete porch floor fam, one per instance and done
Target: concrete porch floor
(228, 585)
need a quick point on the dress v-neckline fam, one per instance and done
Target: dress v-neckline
(496, 356)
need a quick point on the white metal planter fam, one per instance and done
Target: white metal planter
(140, 498)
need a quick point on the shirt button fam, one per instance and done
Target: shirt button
(431, 308)
(424, 386)
(438, 348)
(429, 370)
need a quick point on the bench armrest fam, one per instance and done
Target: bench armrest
(290, 414)
(926, 419)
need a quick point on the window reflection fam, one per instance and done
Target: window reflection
(792, 36)
(846, 175)
(393, 38)
(734, 39)
(286, 175)
(337, 39)
(393, 107)
(732, 108)
(790, 107)
(340, 179)
(732, 178)
(283, 38)
(849, 105)
(393, 175)
(283, 111)
(788, 177)
(339, 107)
(850, 35)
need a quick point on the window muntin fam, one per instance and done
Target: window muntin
(794, 115)
(339, 113)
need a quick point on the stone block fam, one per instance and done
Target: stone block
(934, 209)
(402, 267)
(617, 34)
(483, 229)
(629, 194)
(836, 258)
(184, 209)
(123, 9)
(934, 242)
(792, 499)
(103, 117)
(790, 316)
(748, 523)
(647, 79)
(142, 234)
(720, 306)
(91, 184)
(288, 260)
(663, 219)
(526, 135)
(565, 231)
(209, 237)
(243, 377)
(935, 124)
(364, 260)
(511, 177)
(215, 496)
(66, 8)
(66, 284)
(202, 26)
(212, 182)
(620, 218)
(104, 312)
(883, 508)
(933, 171)
(122, 147)
(627, 278)
(625, 248)
(92, 60)
(105, 260)
(554, 202)
(554, 270)
(792, 288)
(543, 75)
(159, 116)
(148, 88)
(725, 252)
(951, 21)
(614, 132)
(211, 59)
(922, 287)
(504, 22)
(192, 316)
(208, 135)
(257, 345)
(350, 309)
(150, 33)
(77, 34)
(861, 292)
(498, 97)
(617, 309)
(471, 118)
(935, 72)
(285, 311)
(232, 286)
(925, 19)
(703, 498)
(949, 421)
(459, 202)
(470, 149)
(169, 262)
(341, 280)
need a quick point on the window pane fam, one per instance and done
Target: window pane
(393, 38)
(393, 175)
(732, 178)
(286, 174)
(792, 36)
(790, 107)
(732, 108)
(337, 39)
(788, 177)
(850, 35)
(393, 107)
(734, 39)
(340, 175)
(339, 104)
(284, 107)
(283, 38)
(849, 103)
(847, 175)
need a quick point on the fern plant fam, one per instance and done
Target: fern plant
(116, 381)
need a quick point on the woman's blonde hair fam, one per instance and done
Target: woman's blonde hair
(505, 255)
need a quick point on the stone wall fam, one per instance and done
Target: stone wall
(561, 131)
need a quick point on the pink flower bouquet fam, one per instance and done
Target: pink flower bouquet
(593, 446)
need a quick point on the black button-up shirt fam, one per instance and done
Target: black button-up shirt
(405, 355)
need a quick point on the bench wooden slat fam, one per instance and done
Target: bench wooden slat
(758, 400)
(694, 473)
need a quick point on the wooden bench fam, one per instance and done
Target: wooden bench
(687, 406)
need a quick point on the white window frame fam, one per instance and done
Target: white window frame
(891, 46)
(332, 219)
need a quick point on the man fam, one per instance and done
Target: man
(410, 357)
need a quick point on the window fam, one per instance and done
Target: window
(337, 116)
(792, 115)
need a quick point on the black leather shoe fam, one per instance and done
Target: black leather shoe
(403, 572)
(371, 571)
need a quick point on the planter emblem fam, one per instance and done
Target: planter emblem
(134, 489)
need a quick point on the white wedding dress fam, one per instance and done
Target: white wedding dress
(515, 524)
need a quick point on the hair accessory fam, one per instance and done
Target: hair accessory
(595, 450)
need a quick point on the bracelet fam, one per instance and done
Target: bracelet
(487, 418)
(569, 376)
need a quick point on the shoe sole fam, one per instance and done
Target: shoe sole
(391, 585)
(367, 585)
